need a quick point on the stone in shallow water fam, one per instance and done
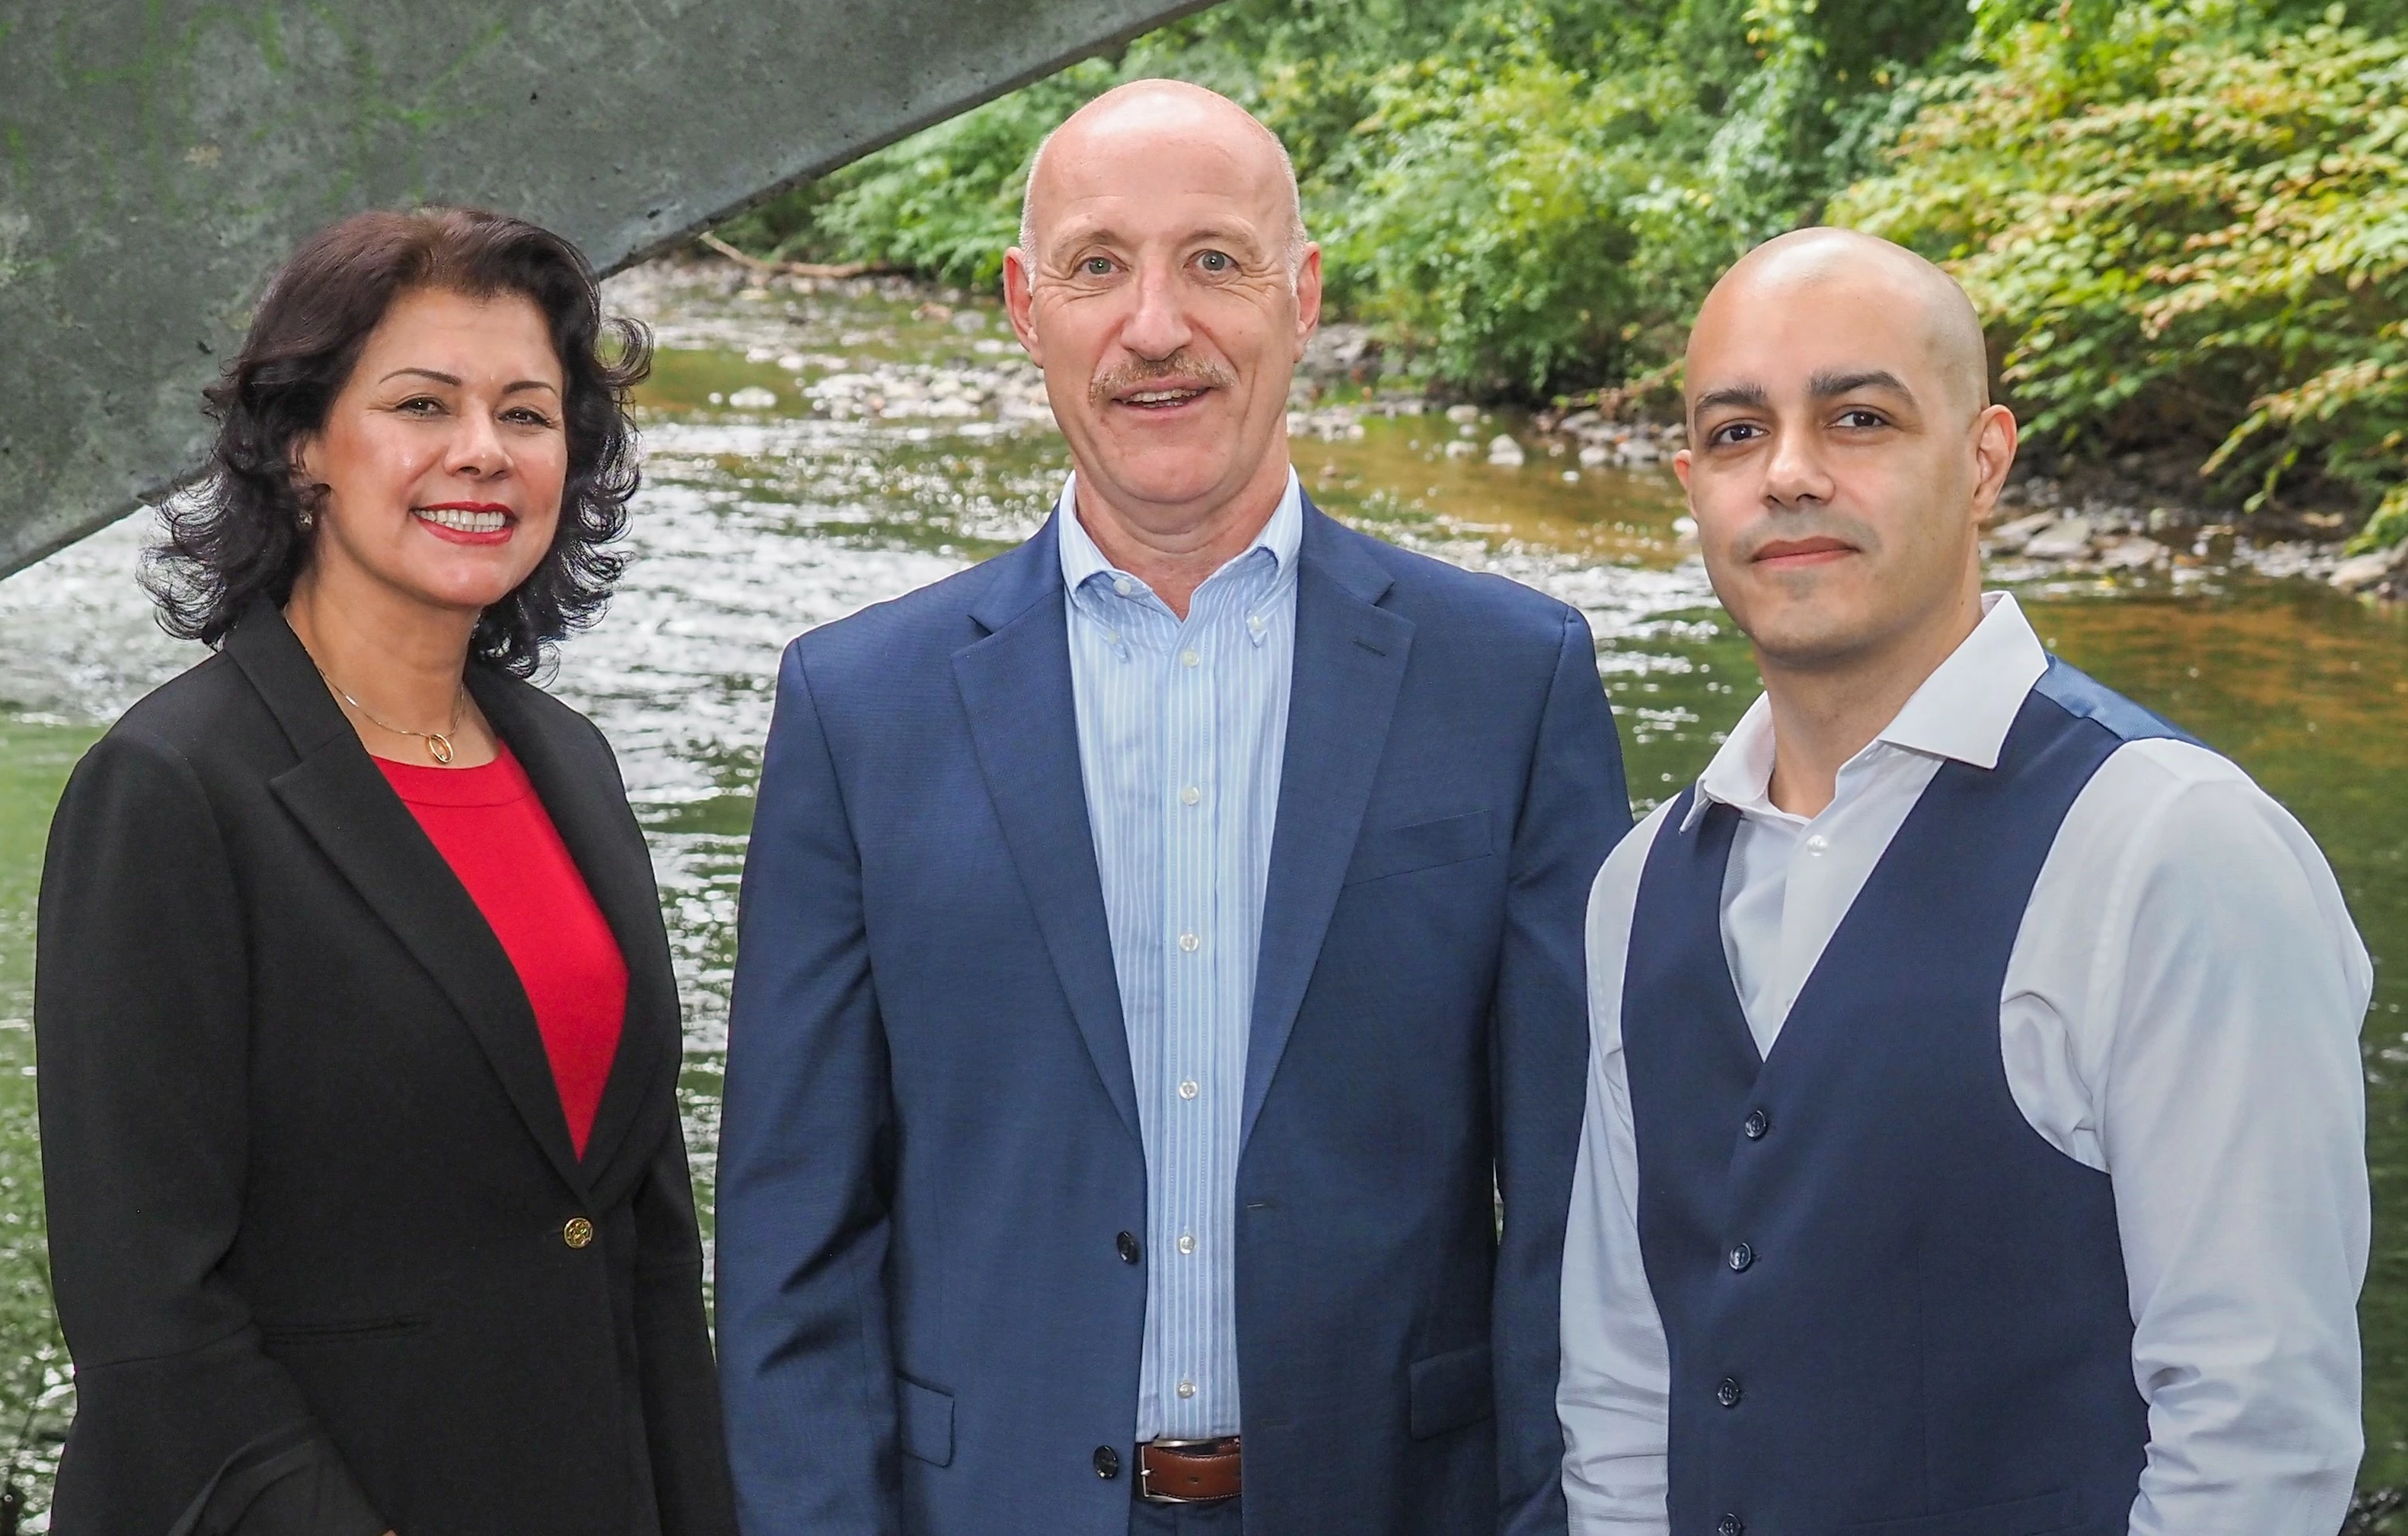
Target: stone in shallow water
(2067, 539)
(2133, 553)
(752, 397)
(2364, 572)
(1504, 452)
(2011, 538)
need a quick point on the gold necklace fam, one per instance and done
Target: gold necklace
(439, 743)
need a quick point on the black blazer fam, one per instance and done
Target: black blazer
(312, 1200)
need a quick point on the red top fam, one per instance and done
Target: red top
(491, 829)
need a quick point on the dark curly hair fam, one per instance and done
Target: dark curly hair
(243, 532)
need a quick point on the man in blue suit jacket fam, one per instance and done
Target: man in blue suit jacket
(1160, 955)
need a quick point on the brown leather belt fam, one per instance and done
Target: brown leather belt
(1188, 1472)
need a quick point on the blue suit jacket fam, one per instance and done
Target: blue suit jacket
(931, 1143)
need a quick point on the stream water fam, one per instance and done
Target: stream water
(812, 452)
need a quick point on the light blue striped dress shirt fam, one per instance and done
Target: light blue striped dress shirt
(1182, 729)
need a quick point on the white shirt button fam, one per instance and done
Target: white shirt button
(1189, 1089)
(1255, 621)
(1188, 942)
(1186, 1243)
(1186, 1389)
(1123, 586)
(1190, 795)
(1816, 843)
(1189, 658)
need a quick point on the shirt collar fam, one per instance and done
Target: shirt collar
(1083, 559)
(1962, 712)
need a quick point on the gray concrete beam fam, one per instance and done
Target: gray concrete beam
(158, 158)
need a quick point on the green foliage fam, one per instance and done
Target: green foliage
(2185, 218)
(1529, 195)
(1487, 219)
(2188, 226)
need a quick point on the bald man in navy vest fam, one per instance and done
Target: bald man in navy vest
(1975, 1134)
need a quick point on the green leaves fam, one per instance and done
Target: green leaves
(2187, 225)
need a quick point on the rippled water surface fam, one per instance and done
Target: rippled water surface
(808, 454)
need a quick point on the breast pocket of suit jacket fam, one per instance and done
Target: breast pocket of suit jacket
(1383, 854)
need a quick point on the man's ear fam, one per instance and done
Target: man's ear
(1019, 302)
(1308, 296)
(1993, 454)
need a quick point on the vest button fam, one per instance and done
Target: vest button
(1742, 1256)
(1126, 1246)
(1730, 1525)
(1107, 1463)
(1755, 1124)
(577, 1233)
(1727, 1392)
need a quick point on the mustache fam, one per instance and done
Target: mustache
(1138, 372)
(1790, 528)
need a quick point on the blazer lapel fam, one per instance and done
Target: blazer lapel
(1015, 687)
(580, 791)
(1350, 662)
(340, 798)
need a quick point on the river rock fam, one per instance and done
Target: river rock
(1341, 351)
(1463, 414)
(1504, 452)
(752, 397)
(1637, 449)
(2011, 538)
(2365, 572)
(1460, 448)
(2133, 553)
(1595, 455)
(2065, 538)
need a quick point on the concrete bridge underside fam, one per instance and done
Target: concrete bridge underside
(158, 157)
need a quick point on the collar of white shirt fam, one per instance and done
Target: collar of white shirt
(1962, 712)
(1082, 558)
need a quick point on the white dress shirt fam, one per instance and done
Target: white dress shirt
(2181, 1011)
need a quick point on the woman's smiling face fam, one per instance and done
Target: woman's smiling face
(442, 460)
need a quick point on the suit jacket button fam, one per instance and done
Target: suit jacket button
(1742, 1256)
(1127, 1245)
(1107, 1463)
(1755, 1124)
(1727, 1392)
(579, 1233)
(1730, 1525)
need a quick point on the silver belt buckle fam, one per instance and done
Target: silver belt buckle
(1145, 1475)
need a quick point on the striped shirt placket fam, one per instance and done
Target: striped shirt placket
(1181, 734)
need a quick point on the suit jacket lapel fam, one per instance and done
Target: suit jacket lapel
(1015, 687)
(340, 798)
(581, 793)
(1350, 662)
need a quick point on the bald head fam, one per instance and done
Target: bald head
(1129, 117)
(1846, 270)
(1842, 458)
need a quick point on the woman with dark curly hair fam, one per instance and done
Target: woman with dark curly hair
(368, 1200)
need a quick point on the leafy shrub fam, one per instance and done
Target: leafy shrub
(1529, 195)
(2188, 229)
(1490, 227)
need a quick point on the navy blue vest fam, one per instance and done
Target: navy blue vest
(1890, 1304)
